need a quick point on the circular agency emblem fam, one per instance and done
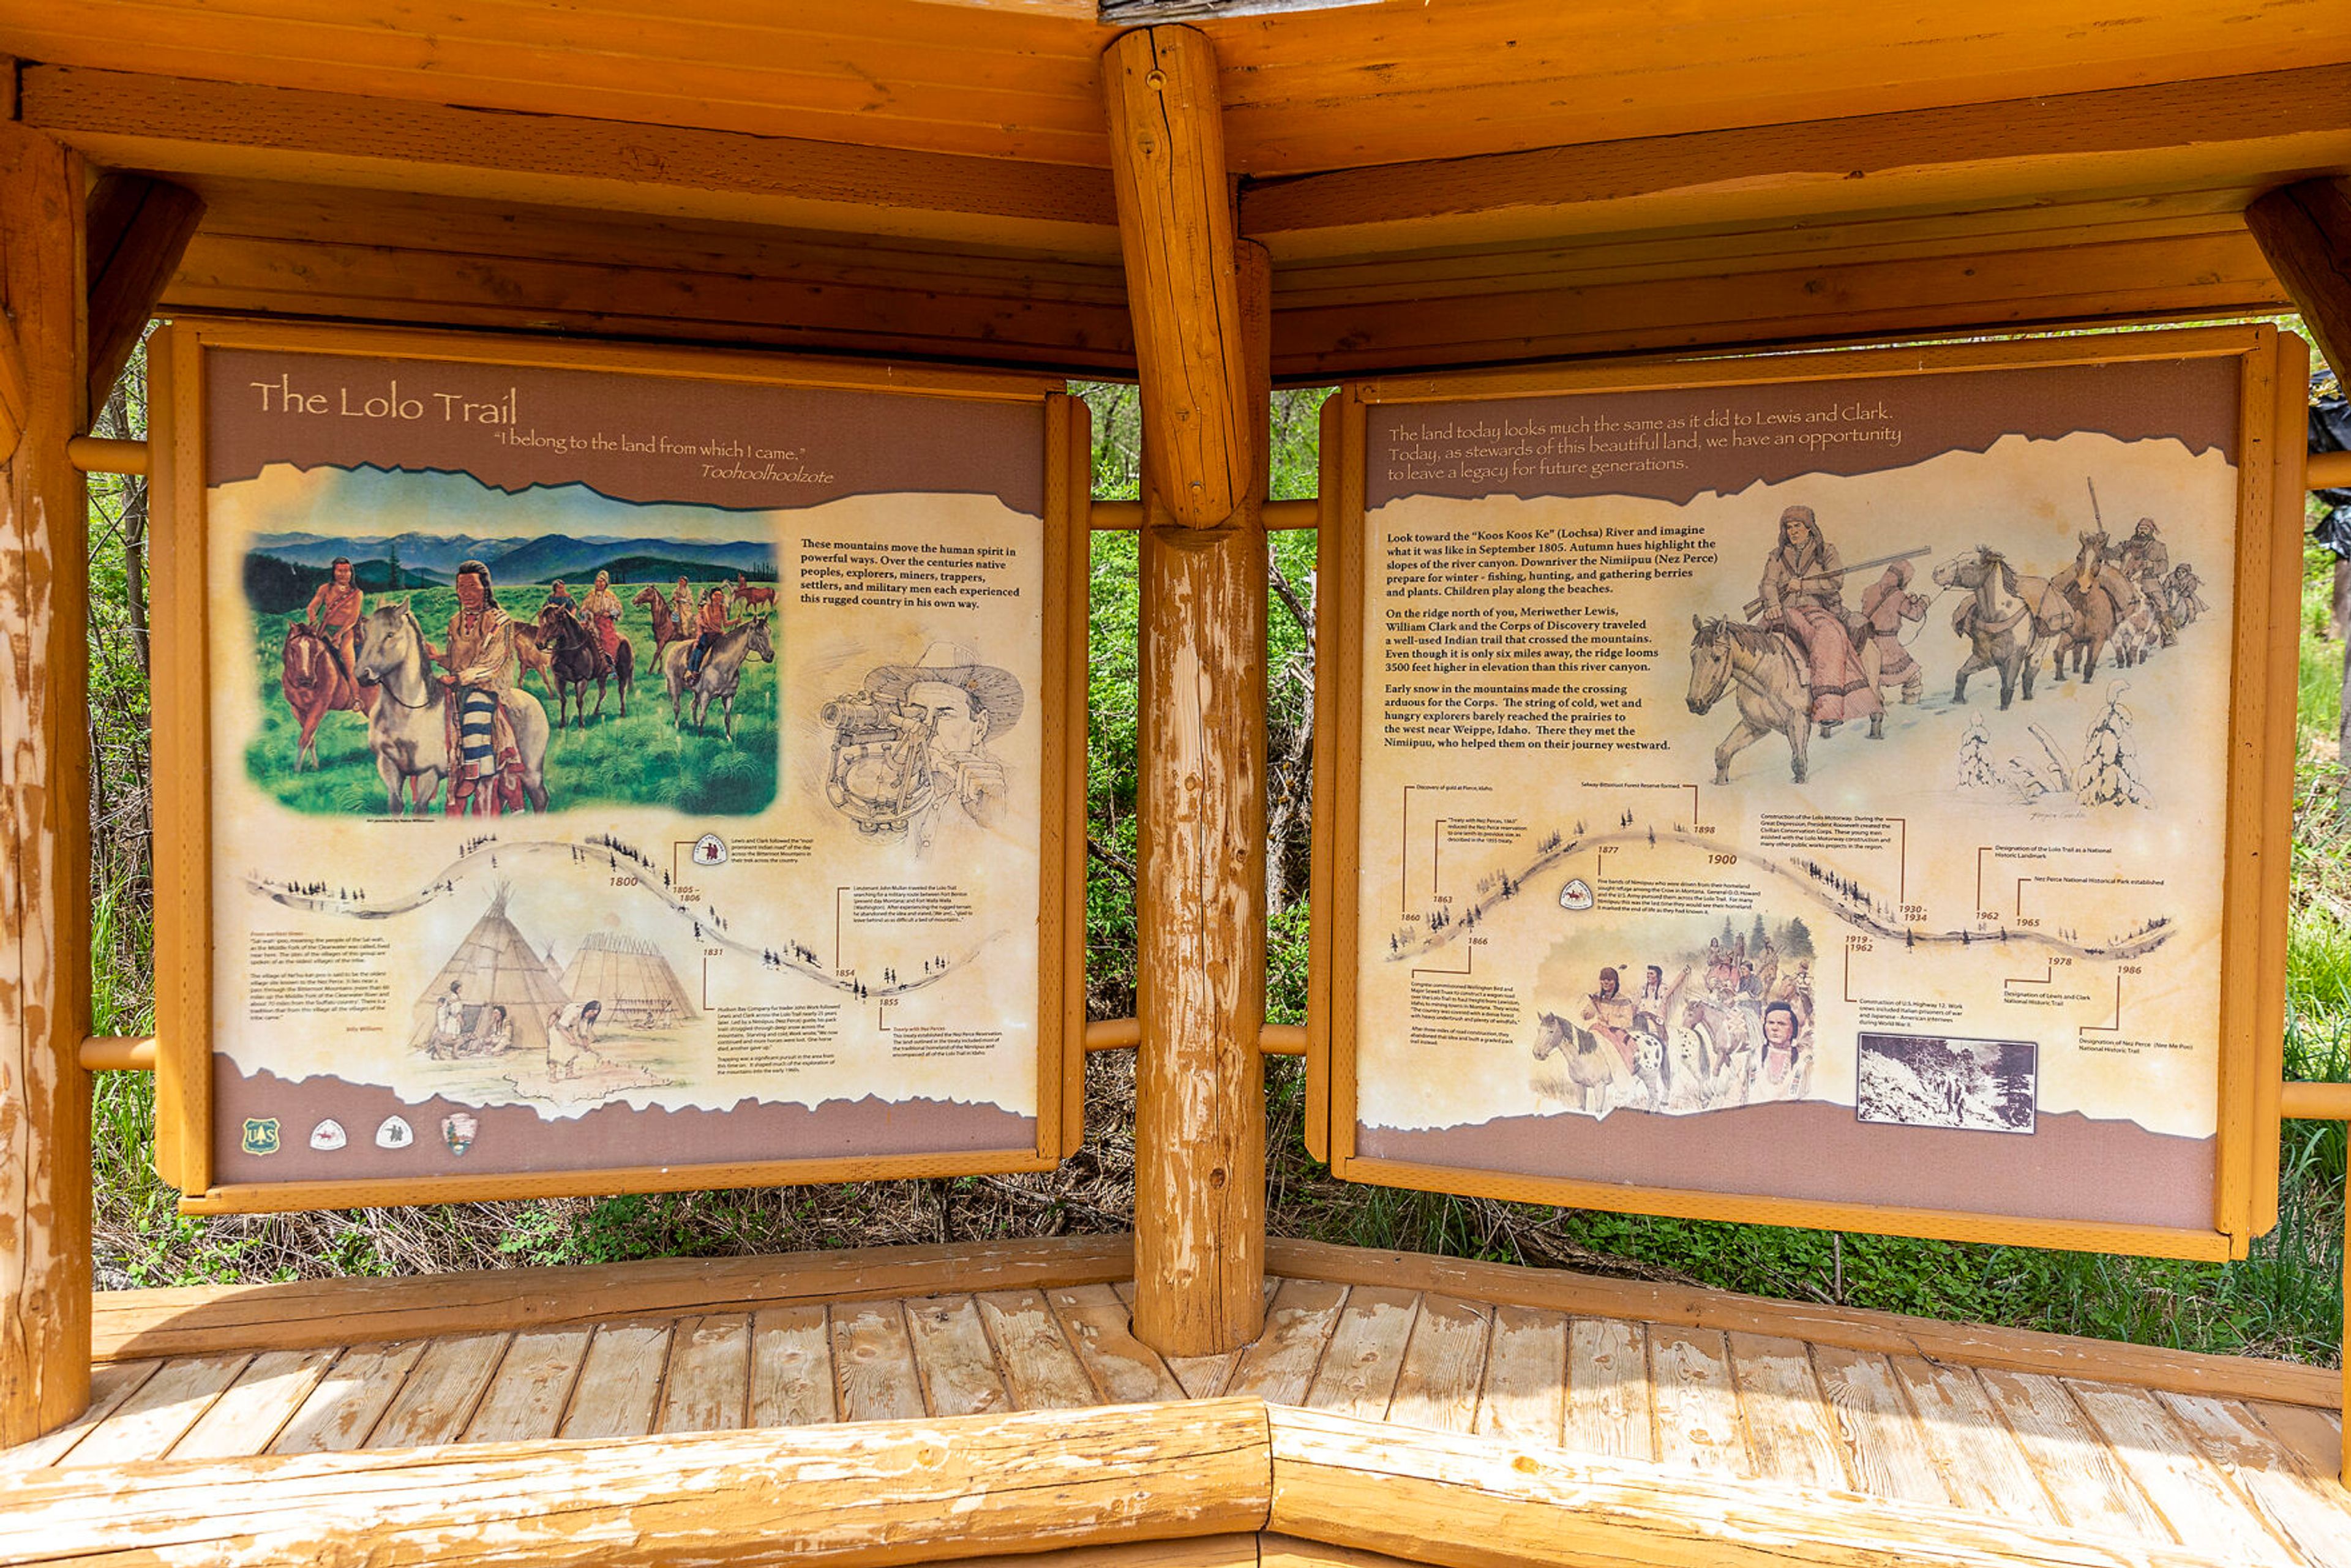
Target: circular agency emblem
(1576, 894)
(710, 850)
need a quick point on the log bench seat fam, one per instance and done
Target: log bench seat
(920, 1403)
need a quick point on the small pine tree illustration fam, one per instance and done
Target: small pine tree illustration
(2110, 758)
(1975, 770)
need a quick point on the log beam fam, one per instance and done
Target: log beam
(2304, 230)
(1175, 233)
(138, 230)
(45, 1263)
(1199, 1118)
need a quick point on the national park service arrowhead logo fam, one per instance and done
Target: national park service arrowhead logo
(1576, 894)
(261, 1135)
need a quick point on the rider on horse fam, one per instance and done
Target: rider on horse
(711, 624)
(485, 763)
(602, 607)
(335, 611)
(1802, 593)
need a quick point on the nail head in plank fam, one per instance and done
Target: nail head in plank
(1444, 1365)
(1790, 1428)
(951, 1354)
(620, 1382)
(247, 1417)
(708, 1387)
(1365, 1356)
(345, 1406)
(1279, 1367)
(1883, 1449)
(791, 1367)
(438, 1398)
(1040, 1371)
(1696, 1402)
(1982, 1463)
(2207, 1514)
(1525, 1396)
(2083, 1477)
(146, 1424)
(874, 1364)
(525, 1399)
(1124, 1370)
(1608, 1390)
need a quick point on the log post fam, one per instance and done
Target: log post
(1202, 322)
(44, 1262)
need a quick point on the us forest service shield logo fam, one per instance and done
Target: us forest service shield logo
(261, 1136)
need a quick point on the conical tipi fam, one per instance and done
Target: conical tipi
(494, 966)
(631, 979)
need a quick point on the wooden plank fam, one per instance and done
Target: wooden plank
(438, 1398)
(44, 1197)
(1697, 1407)
(139, 229)
(526, 1400)
(1124, 1370)
(1280, 1366)
(1525, 1396)
(1040, 1371)
(146, 1424)
(1470, 1502)
(305, 1312)
(953, 1358)
(350, 1399)
(1444, 1366)
(620, 1382)
(2073, 1462)
(2202, 1508)
(708, 1386)
(1977, 1344)
(181, 125)
(110, 1386)
(1883, 1450)
(1983, 1463)
(874, 1364)
(848, 1496)
(2304, 230)
(2142, 137)
(1790, 1431)
(1608, 1390)
(2312, 1513)
(247, 1417)
(1366, 1355)
(792, 1368)
(2315, 1437)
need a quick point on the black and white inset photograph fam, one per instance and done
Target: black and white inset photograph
(1931, 1081)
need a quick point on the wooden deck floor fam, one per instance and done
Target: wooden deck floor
(2229, 1475)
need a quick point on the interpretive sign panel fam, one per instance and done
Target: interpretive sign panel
(1838, 789)
(625, 768)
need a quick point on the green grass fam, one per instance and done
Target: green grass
(643, 760)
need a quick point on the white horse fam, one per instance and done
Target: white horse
(721, 672)
(408, 732)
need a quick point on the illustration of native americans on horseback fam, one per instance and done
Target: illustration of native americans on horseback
(1801, 663)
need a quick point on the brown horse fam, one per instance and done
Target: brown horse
(665, 627)
(756, 595)
(2102, 600)
(528, 648)
(315, 683)
(577, 658)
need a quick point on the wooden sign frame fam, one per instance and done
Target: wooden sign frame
(2261, 754)
(184, 763)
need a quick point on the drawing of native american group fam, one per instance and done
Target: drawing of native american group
(1800, 663)
(1698, 1029)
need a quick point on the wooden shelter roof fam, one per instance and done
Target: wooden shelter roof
(1441, 183)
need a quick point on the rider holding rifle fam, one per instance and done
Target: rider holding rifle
(1802, 592)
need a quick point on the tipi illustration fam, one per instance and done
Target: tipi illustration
(631, 979)
(495, 966)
